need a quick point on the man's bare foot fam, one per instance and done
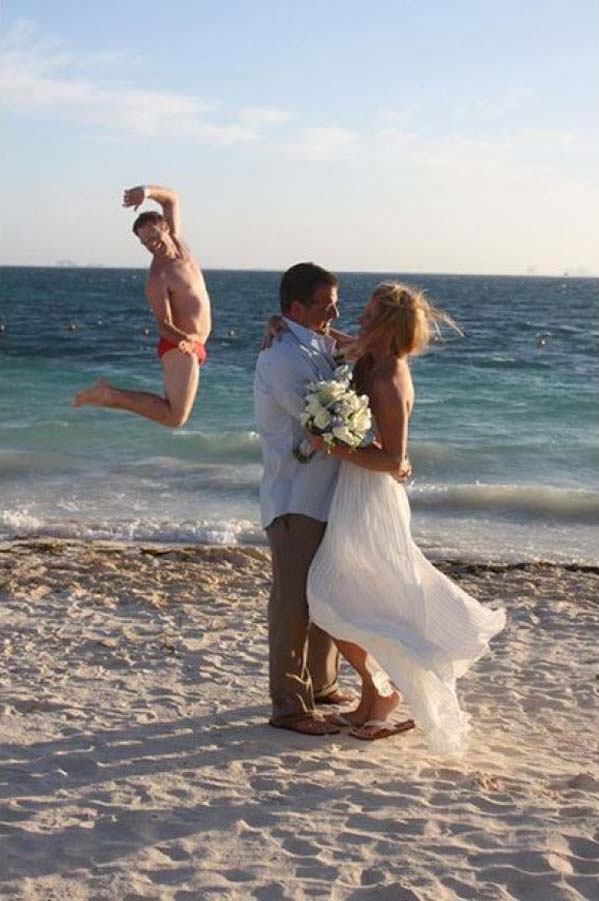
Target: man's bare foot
(97, 394)
(309, 725)
(336, 697)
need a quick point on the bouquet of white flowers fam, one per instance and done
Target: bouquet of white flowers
(336, 413)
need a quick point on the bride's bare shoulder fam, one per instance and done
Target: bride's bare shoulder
(394, 371)
(393, 382)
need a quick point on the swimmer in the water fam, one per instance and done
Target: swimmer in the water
(179, 300)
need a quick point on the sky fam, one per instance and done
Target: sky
(450, 136)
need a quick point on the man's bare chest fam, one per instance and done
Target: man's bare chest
(180, 279)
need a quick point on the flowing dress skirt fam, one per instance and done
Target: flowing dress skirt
(370, 584)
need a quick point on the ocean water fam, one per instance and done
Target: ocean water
(503, 436)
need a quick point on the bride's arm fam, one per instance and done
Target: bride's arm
(275, 327)
(341, 338)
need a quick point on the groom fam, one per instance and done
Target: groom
(295, 498)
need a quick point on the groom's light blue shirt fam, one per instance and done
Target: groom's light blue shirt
(282, 374)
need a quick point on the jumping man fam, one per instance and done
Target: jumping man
(177, 294)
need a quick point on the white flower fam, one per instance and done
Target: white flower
(361, 421)
(342, 433)
(322, 419)
(314, 406)
(331, 392)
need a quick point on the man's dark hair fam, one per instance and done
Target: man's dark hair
(300, 283)
(149, 218)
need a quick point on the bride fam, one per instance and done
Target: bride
(400, 623)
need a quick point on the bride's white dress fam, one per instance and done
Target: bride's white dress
(370, 584)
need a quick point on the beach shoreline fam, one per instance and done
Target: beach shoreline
(54, 544)
(137, 761)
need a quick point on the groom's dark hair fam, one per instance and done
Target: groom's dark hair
(300, 283)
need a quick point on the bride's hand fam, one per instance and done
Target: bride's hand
(275, 327)
(316, 442)
(404, 471)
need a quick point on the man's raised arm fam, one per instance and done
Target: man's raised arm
(168, 200)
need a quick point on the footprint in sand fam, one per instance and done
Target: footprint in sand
(300, 847)
(237, 875)
(171, 877)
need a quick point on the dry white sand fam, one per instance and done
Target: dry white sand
(137, 763)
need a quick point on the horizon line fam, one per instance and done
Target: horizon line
(102, 266)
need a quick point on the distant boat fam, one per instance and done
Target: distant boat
(577, 272)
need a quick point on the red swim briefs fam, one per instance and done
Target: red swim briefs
(198, 349)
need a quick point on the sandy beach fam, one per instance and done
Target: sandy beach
(137, 762)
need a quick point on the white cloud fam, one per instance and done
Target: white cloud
(324, 144)
(526, 157)
(393, 139)
(395, 118)
(37, 79)
(502, 104)
(257, 115)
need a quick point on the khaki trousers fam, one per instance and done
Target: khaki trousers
(303, 660)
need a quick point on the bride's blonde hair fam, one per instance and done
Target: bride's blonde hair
(406, 314)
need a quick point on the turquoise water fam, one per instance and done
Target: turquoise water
(503, 437)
